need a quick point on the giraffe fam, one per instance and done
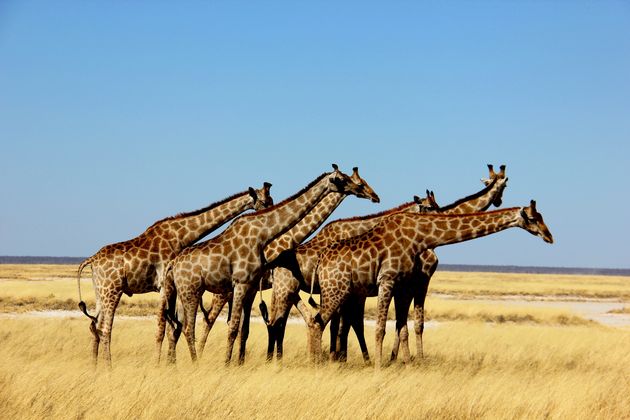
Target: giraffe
(378, 258)
(304, 228)
(297, 270)
(415, 288)
(234, 260)
(135, 266)
(294, 269)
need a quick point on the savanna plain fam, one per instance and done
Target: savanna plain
(495, 346)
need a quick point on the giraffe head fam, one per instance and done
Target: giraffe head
(501, 182)
(364, 190)
(532, 221)
(426, 204)
(355, 185)
(261, 197)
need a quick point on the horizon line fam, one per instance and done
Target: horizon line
(40, 259)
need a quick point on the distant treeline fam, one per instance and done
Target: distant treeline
(40, 260)
(441, 267)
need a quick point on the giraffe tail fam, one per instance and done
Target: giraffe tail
(204, 311)
(82, 305)
(263, 306)
(311, 301)
(170, 313)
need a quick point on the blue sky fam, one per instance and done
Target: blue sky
(116, 114)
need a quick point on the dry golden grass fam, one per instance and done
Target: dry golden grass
(472, 370)
(485, 360)
(530, 285)
(36, 287)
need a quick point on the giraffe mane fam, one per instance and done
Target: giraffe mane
(478, 213)
(286, 200)
(468, 198)
(369, 216)
(199, 211)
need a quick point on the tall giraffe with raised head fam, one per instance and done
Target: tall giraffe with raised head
(379, 258)
(297, 268)
(415, 287)
(304, 228)
(135, 266)
(289, 240)
(234, 260)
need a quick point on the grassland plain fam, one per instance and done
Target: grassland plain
(481, 361)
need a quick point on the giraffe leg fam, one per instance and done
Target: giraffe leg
(430, 263)
(96, 339)
(326, 312)
(271, 341)
(352, 317)
(190, 303)
(104, 327)
(315, 341)
(165, 309)
(240, 290)
(161, 327)
(357, 326)
(418, 310)
(96, 320)
(281, 327)
(384, 299)
(174, 331)
(402, 301)
(271, 328)
(285, 298)
(335, 322)
(280, 323)
(218, 303)
(247, 310)
(396, 345)
(306, 313)
(342, 338)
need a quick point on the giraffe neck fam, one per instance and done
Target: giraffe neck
(477, 202)
(191, 228)
(304, 227)
(348, 228)
(281, 217)
(430, 231)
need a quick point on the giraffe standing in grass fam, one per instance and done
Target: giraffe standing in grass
(304, 228)
(135, 266)
(415, 286)
(234, 260)
(379, 258)
(298, 267)
(295, 269)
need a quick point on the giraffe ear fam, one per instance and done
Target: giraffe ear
(417, 199)
(524, 215)
(252, 192)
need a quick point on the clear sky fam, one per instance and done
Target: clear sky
(116, 114)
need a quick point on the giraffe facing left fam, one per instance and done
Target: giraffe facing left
(135, 266)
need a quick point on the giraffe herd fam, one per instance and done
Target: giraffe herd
(388, 254)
